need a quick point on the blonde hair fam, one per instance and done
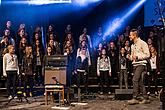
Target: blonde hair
(27, 51)
(5, 51)
(154, 52)
(9, 47)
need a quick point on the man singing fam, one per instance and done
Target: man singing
(10, 70)
(139, 55)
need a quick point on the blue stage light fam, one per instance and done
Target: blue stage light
(41, 2)
(115, 24)
(36, 2)
(44, 2)
(85, 2)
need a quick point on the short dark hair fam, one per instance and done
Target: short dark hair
(135, 31)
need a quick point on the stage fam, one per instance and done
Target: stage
(64, 48)
(100, 102)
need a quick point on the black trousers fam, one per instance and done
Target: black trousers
(163, 105)
(152, 79)
(82, 79)
(11, 82)
(104, 80)
(28, 80)
(69, 76)
(114, 75)
(138, 81)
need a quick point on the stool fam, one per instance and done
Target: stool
(54, 88)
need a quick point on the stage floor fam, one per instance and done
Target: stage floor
(103, 102)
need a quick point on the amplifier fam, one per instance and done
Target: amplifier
(58, 73)
(55, 69)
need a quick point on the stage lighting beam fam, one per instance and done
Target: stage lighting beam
(37, 2)
(117, 23)
(85, 2)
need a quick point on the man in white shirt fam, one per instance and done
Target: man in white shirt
(139, 54)
(10, 70)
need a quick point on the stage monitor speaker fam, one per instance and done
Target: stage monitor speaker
(58, 73)
(123, 94)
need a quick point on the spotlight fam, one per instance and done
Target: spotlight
(41, 2)
(116, 24)
(85, 2)
(36, 2)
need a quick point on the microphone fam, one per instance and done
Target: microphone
(55, 80)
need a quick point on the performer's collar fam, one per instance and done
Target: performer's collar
(136, 40)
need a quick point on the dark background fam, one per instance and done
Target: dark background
(91, 16)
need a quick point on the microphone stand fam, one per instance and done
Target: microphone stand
(162, 53)
(57, 82)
